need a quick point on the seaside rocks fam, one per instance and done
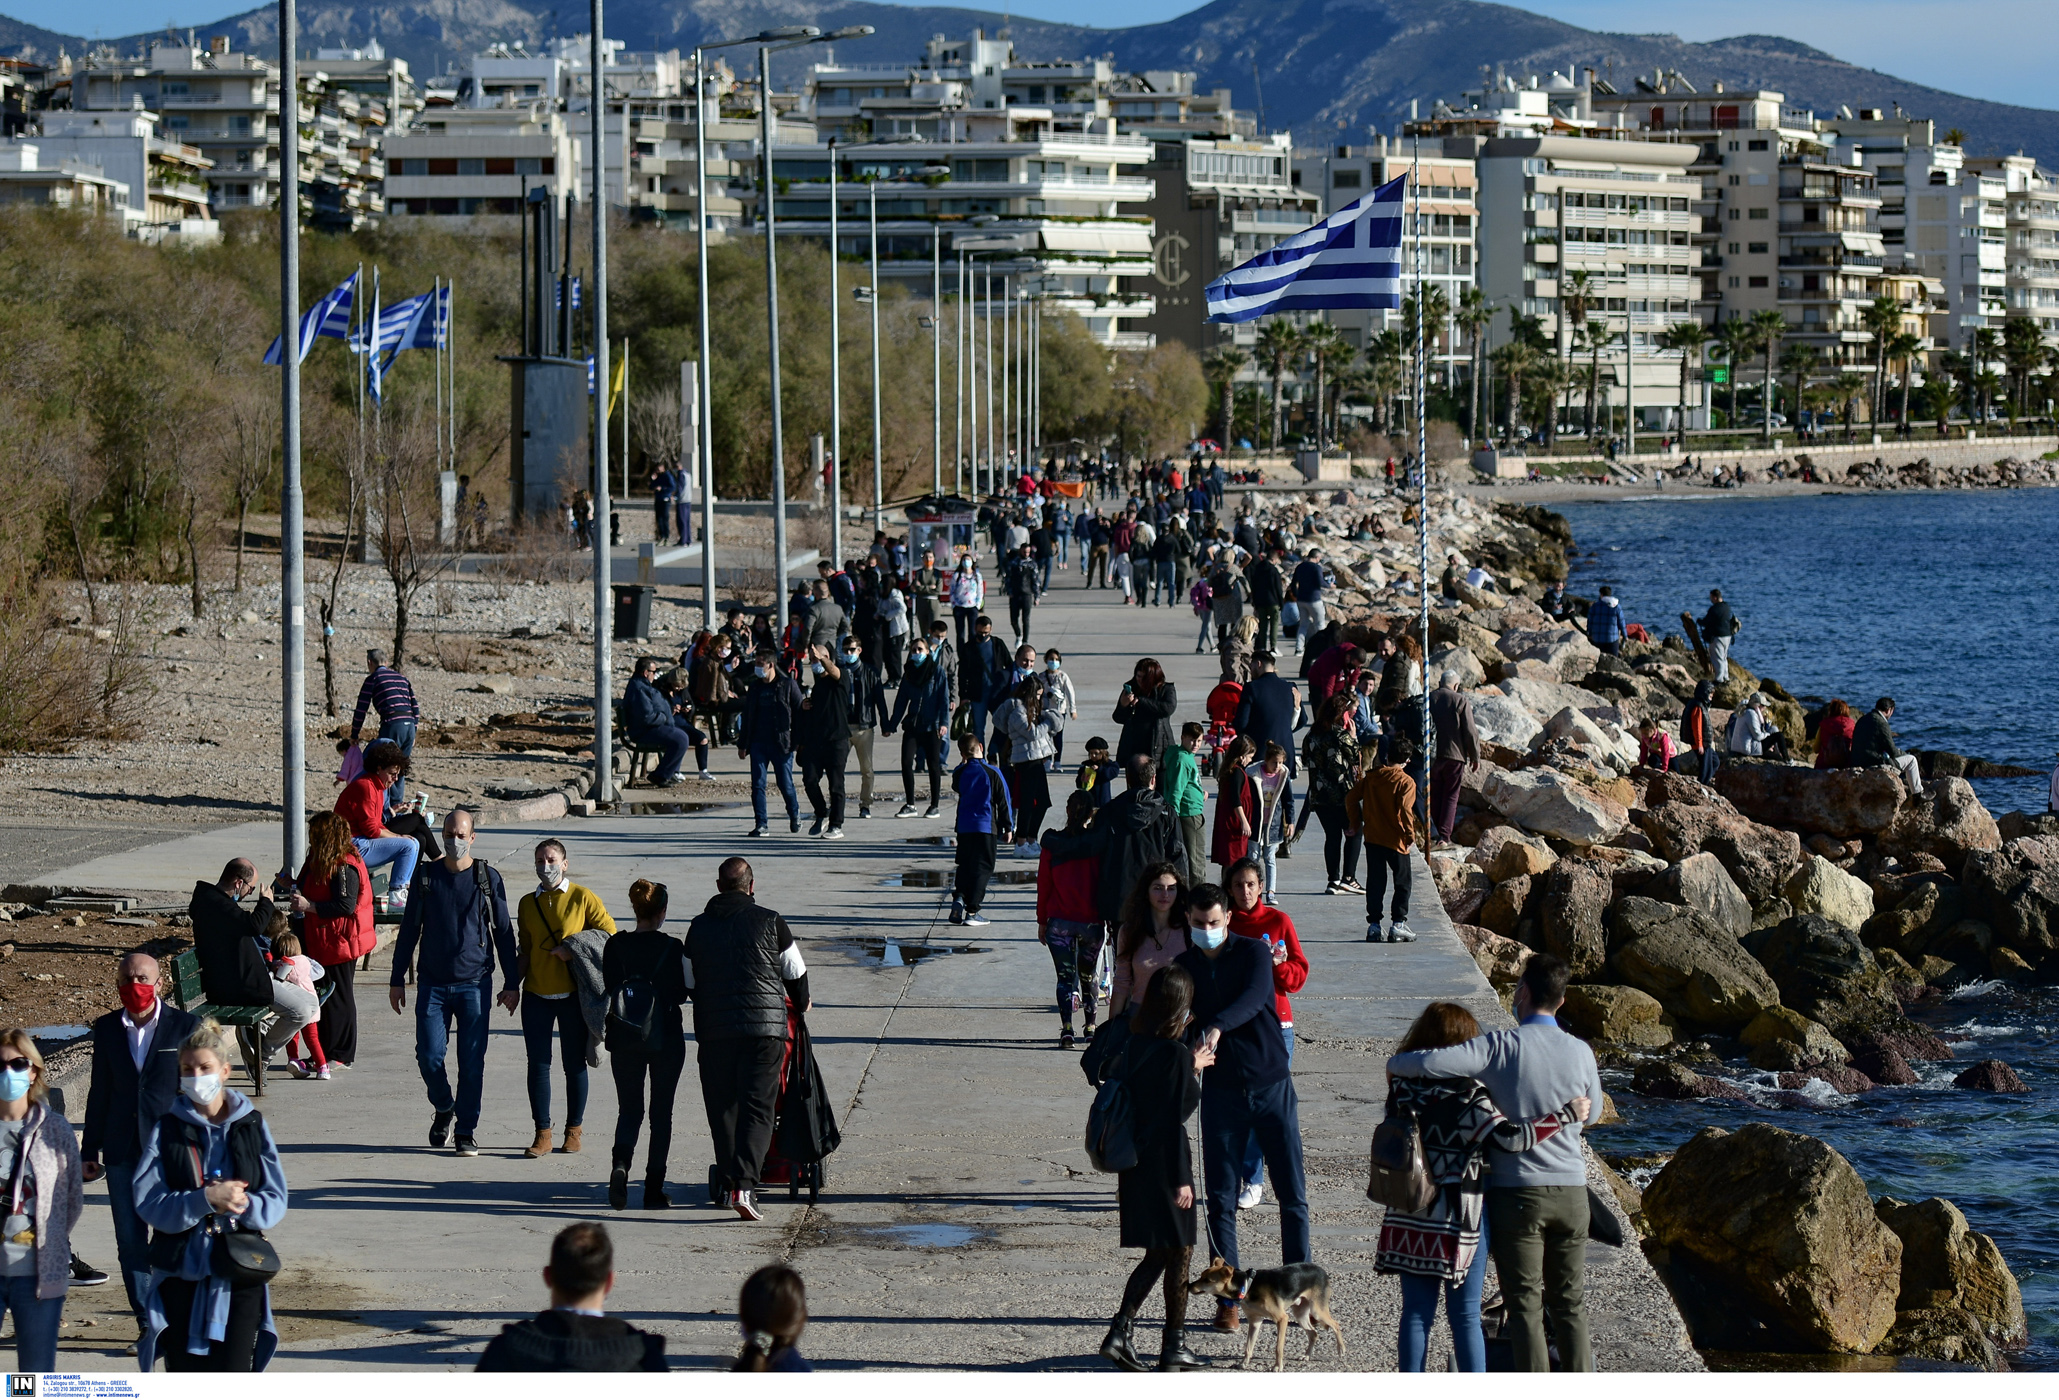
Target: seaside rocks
(1662, 786)
(1757, 857)
(1506, 853)
(1951, 1335)
(1462, 890)
(1500, 959)
(1564, 650)
(1669, 1079)
(1700, 882)
(1503, 909)
(1827, 974)
(1457, 658)
(1946, 822)
(1948, 1264)
(1619, 1016)
(1818, 887)
(1843, 1078)
(1503, 721)
(1884, 1065)
(1991, 1077)
(1545, 801)
(1839, 802)
(1543, 697)
(2015, 891)
(1697, 972)
(1576, 893)
(1781, 1038)
(1786, 1222)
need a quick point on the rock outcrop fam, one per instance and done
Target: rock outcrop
(1622, 1017)
(1840, 802)
(1546, 801)
(1991, 1077)
(2015, 892)
(1576, 893)
(1948, 821)
(1700, 882)
(1697, 972)
(1825, 972)
(1818, 887)
(1759, 858)
(1948, 1264)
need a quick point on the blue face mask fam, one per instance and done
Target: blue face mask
(1050, 665)
(14, 1083)
(816, 667)
(1208, 937)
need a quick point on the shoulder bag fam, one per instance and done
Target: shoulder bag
(1112, 1124)
(1400, 1177)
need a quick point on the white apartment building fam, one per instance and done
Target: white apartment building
(163, 182)
(466, 161)
(28, 177)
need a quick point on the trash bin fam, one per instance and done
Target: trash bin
(633, 610)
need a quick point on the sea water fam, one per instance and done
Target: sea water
(1945, 601)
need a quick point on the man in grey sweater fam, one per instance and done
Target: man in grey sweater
(1536, 1200)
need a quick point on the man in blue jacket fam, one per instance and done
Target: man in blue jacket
(648, 719)
(1249, 1089)
(1270, 710)
(1605, 622)
(984, 813)
(457, 916)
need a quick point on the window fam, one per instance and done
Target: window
(1755, 145)
(1726, 117)
(442, 167)
(1344, 179)
(471, 165)
(1733, 250)
(177, 121)
(1734, 180)
(1756, 281)
(1733, 281)
(1756, 213)
(1750, 247)
(1733, 145)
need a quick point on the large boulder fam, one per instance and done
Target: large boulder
(1948, 1264)
(1635, 915)
(1547, 802)
(1662, 785)
(1951, 1335)
(1759, 858)
(1839, 802)
(1507, 852)
(1503, 909)
(1544, 698)
(1946, 822)
(1605, 740)
(1563, 649)
(1827, 974)
(1506, 722)
(1698, 973)
(1818, 887)
(1500, 959)
(1700, 882)
(1622, 1017)
(1786, 1222)
(1783, 1038)
(1576, 893)
(1455, 658)
(1462, 889)
(2015, 892)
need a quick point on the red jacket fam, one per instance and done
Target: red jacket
(1066, 889)
(1329, 674)
(1276, 928)
(330, 941)
(363, 805)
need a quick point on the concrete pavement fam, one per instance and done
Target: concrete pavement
(961, 1225)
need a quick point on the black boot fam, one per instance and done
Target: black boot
(1118, 1347)
(618, 1185)
(654, 1197)
(1173, 1354)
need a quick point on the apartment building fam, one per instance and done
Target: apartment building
(466, 161)
(28, 177)
(1164, 106)
(163, 182)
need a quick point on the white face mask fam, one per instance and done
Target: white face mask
(460, 847)
(550, 873)
(200, 1089)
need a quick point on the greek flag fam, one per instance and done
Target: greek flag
(1351, 259)
(330, 316)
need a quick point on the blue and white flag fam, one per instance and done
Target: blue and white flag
(431, 327)
(1351, 259)
(330, 316)
(400, 325)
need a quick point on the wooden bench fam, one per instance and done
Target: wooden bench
(251, 1022)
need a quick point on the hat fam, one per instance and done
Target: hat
(1758, 700)
(1097, 742)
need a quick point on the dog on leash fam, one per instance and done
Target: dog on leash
(1291, 1295)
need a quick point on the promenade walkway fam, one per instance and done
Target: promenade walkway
(961, 1226)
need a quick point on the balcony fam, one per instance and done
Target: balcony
(1861, 261)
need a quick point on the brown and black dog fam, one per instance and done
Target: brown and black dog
(1291, 1295)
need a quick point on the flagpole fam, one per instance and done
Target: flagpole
(292, 542)
(704, 416)
(603, 657)
(836, 381)
(1415, 190)
(436, 295)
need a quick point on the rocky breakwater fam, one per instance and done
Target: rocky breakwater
(1947, 468)
(1779, 920)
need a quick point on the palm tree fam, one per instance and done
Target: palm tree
(1547, 383)
(2023, 350)
(1323, 343)
(1735, 340)
(1515, 360)
(1768, 327)
(1845, 391)
(1800, 360)
(1279, 345)
(1903, 347)
(1475, 314)
(1384, 381)
(1595, 337)
(1883, 318)
(1436, 310)
(1687, 337)
(1982, 347)
(1939, 393)
(1220, 367)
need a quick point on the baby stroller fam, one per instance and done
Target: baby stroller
(804, 1127)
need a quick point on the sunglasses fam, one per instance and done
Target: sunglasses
(19, 1064)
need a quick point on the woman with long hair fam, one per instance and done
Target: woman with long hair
(1444, 1249)
(1396, 700)
(643, 973)
(1834, 735)
(39, 1158)
(1155, 1197)
(1236, 805)
(772, 1313)
(1029, 729)
(968, 592)
(1068, 874)
(1332, 757)
(1152, 933)
(1145, 710)
(333, 897)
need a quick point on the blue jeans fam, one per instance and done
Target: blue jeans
(435, 1004)
(1461, 1310)
(401, 732)
(1229, 1117)
(540, 1016)
(1044, 575)
(1162, 582)
(131, 1235)
(401, 850)
(35, 1323)
(784, 765)
(1254, 1159)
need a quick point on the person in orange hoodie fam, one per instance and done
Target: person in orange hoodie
(1382, 808)
(1068, 922)
(1252, 917)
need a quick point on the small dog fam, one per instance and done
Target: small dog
(1291, 1295)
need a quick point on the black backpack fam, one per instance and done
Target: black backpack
(1112, 1122)
(635, 1016)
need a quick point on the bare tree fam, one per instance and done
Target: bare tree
(401, 496)
(248, 454)
(654, 427)
(355, 491)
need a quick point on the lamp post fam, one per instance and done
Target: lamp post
(836, 382)
(603, 632)
(878, 434)
(292, 558)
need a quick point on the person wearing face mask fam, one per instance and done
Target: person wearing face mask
(709, 666)
(135, 1079)
(766, 740)
(209, 1166)
(922, 712)
(866, 703)
(1249, 1089)
(39, 1159)
(230, 945)
(1059, 702)
(823, 734)
(645, 975)
(547, 921)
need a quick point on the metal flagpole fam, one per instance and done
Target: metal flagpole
(625, 418)
(1007, 364)
(990, 380)
(436, 348)
(1415, 190)
(836, 380)
(936, 359)
(704, 413)
(878, 432)
(292, 545)
(603, 591)
(768, 217)
(958, 389)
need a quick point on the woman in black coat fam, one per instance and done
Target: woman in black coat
(1156, 1197)
(643, 973)
(1144, 710)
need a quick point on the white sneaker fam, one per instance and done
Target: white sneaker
(397, 900)
(1251, 1195)
(743, 1204)
(1399, 932)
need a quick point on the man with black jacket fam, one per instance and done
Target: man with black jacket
(1019, 576)
(1873, 746)
(227, 939)
(822, 732)
(457, 914)
(865, 698)
(743, 968)
(1137, 830)
(1268, 591)
(1249, 1090)
(982, 672)
(1719, 625)
(135, 1082)
(1270, 708)
(574, 1334)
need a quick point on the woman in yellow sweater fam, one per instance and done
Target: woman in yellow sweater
(546, 918)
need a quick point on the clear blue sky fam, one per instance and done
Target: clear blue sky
(1997, 49)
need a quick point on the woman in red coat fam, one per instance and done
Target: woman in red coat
(1236, 806)
(333, 898)
(1834, 736)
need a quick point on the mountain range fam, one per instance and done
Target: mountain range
(1317, 67)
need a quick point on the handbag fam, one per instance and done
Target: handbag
(246, 1258)
(961, 721)
(1111, 1039)
(1603, 1227)
(1112, 1125)
(1400, 1178)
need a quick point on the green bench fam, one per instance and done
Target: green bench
(251, 1022)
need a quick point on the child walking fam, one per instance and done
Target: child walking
(1097, 773)
(289, 964)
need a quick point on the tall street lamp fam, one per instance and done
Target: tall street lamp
(292, 559)
(878, 435)
(836, 381)
(603, 632)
